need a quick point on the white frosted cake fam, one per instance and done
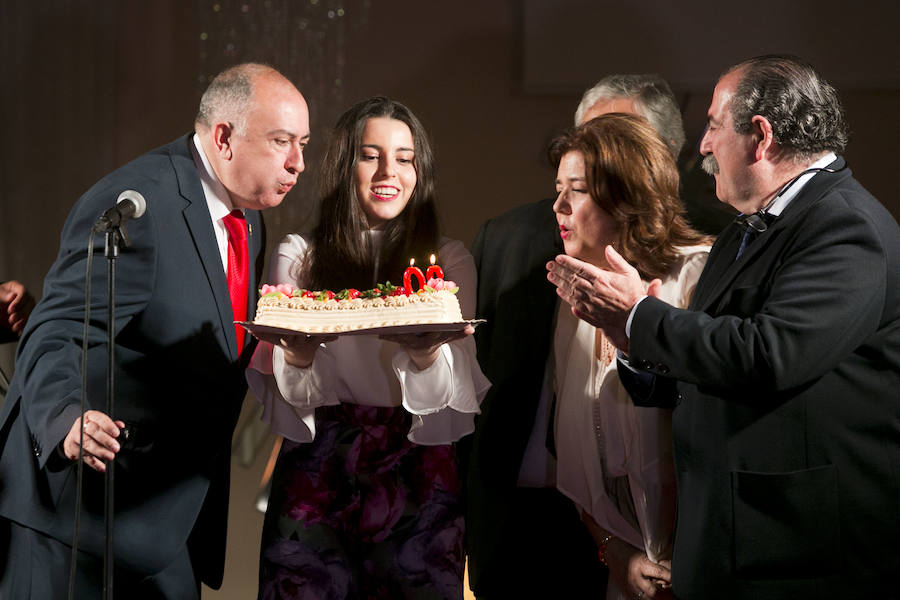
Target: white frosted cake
(350, 310)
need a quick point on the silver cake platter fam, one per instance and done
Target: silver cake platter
(263, 331)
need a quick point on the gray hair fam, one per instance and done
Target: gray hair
(652, 97)
(805, 113)
(229, 96)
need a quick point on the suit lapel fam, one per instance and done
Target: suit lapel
(255, 241)
(199, 223)
(725, 268)
(721, 258)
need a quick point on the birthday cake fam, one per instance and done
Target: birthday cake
(351, 310)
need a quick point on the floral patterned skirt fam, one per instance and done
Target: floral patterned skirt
(362, 512)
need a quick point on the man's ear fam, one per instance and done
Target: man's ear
(221, 134)
(763, 138)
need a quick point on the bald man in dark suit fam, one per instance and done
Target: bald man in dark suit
(179, 358)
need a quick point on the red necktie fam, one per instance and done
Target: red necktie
(237, 270)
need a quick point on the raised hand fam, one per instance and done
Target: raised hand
(15, 306)
(603, 298)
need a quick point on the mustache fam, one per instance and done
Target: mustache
(710, 165)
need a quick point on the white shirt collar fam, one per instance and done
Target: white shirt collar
(217, 198)
(218, 202)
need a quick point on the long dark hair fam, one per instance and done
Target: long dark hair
(342, 255)
(631, 174)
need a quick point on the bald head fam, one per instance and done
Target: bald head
(253, 125)
(230, 95)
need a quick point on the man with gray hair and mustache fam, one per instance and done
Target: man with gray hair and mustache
(784, 370)
(524, 538)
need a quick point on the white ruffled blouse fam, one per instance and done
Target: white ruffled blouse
(603, 438)
(363, 369)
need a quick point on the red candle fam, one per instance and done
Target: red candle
(408, 274)
(434, 271)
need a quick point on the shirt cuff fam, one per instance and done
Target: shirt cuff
(631, 316)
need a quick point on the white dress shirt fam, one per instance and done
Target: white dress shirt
(217, 199)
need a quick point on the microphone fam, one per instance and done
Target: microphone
(129, 205)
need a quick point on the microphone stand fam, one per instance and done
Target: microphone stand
(4, 384)
(113, 235)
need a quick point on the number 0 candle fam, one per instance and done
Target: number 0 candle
(408, 274)
(434, 271)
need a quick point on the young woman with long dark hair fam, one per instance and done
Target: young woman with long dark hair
(365, 494)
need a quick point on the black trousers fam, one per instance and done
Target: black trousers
(35, 566)
(549, 554)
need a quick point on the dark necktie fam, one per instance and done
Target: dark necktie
(746, 239)
(753, 225)
(238, 273)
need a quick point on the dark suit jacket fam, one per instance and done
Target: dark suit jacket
(518, 303)
(785, 372)
(179, 380)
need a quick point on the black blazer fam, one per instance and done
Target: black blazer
(179, 380)
(785, 374)
(518, 302)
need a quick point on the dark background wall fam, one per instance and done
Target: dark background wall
(86, 85)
